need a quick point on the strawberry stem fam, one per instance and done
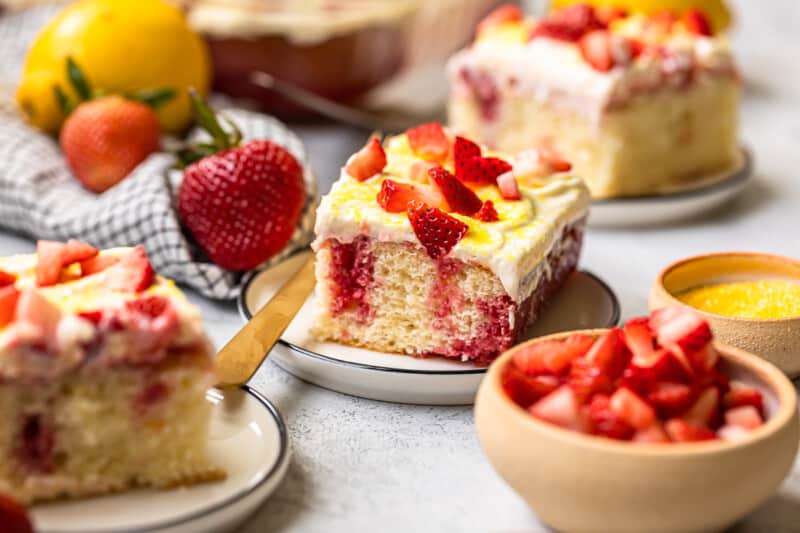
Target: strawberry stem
(78, 80)
(221, 139)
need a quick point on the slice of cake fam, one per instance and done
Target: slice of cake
(104, 368)
(434, 246)
(639, 105)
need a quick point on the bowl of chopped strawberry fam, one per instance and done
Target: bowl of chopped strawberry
(649, 427)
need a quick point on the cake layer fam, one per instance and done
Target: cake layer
(510, 248)
(656, 142)
(392, 297)
(91, 432)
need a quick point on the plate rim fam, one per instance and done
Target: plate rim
(739, 176)
(244, 312)
(283, 453)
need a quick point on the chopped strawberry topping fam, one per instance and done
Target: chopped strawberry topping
(133, 273)
(8, 304)
(670, 399)
(609, 353)
(746, 416)
(487, 212)
(49, 260)
(13, 516)
(604, 50)
(437, 231)
(639, 339)
(553, 356)
(587, 379)
(394, 196)
(627, 405)
(653, 434)
(503, 14)
(97, 264)
(525, 390)
(7, 279)
(482, 169)
(561, 408)
(703, 410)
(697, 22)
(568, 24)
(507, 184)
(463, 149)
(605, 421)
(76, 251)
(682, 431)
(740, 395)
(367, 162)
(459, 197)
(680, 330)
(37, 311)
(429, 141)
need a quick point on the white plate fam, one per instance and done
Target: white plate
(677, 204)
(248, 439)
(584, 302)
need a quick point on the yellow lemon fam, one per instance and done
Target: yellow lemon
(716, 10)
(122, 46)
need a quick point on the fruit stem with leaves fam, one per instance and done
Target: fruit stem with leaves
(80, 84)
(221, 138)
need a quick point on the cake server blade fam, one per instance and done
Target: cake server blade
(238, 360)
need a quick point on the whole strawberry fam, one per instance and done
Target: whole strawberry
(105, 139)
(242, 203)
(106, 136)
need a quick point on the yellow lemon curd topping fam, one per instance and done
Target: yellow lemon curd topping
(774, 298)
(512, 247)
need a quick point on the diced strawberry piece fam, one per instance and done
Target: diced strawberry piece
(627, 405)
(367, 162)
(670, 399)
(459, 197)
(746, 416)
(502, 15)
(660, 23)
(551, 356)
(608, 14)
(463, 149)
(561, 408)
(640, 340)
(595, 48)
(437, 231)
(7, 278)
(713, 378)
(75, 251)
(97, 264)
(13, 516)
(133, 273)
(654, 434)
(732, 433)
(682, 431)
(8, 304)
(702, 411)
(49, 260)
(418, 172)
(660, 366)
(697, 22)
(610, 354)
(482, 169)
(680, 327)
(487, 212)
(740, 395)
(605, 422)
(394, 196)
(37, 311)
(507, 184)
(587, 379)
(526, 390)
(429, 141)
(568, 24)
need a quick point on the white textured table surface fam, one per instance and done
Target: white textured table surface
(361, 465)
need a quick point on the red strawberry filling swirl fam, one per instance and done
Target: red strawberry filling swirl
(351, 277)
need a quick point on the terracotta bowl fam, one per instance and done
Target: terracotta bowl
(581, 483)
(776, 340)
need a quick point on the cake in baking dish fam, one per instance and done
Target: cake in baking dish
(104, 368)
(639, 104)
(433, 246)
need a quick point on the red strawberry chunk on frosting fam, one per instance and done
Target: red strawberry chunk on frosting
(463, 149)
(697, 22)
(7, 278)
(568, 24)
(37, 319)
(437, 231)
(49, 260)
(507, 183)
(394, 196)
(8, 304)
(504, 14)
(96, 264)
(367, 162)
(76, 251)
(429, 141)
(459, 197)
(133, 273)
(487, 212)
(482, 169)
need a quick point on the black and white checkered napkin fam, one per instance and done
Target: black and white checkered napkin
(40, 197)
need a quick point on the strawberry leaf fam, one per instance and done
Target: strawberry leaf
(78, 80)
(154, 98)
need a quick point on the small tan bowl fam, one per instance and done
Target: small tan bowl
(585, 484)
(777, 339)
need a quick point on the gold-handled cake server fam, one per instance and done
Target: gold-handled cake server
(238, 360)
